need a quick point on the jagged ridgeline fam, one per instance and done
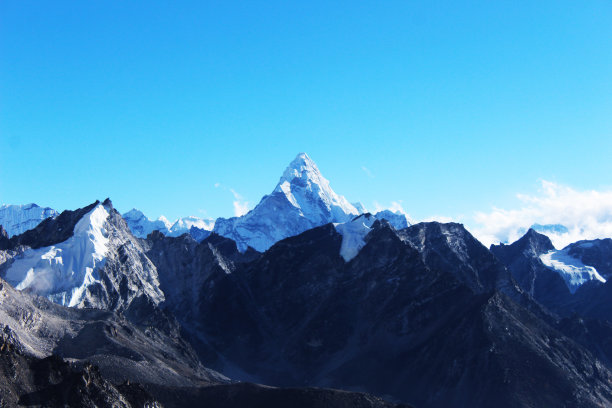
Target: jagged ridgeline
(308, 293)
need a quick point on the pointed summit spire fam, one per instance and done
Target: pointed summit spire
(302, 167)
(306, 189)
(302, 199)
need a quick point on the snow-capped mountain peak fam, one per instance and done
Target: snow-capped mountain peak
(302, 199)
(63, 271)
(98, 264)
(302, 167)
(304, 185)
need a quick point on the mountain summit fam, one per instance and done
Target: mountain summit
(307, 189)
(302, 199)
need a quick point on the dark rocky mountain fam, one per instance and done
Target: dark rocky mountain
(586, 315)
(522, 258)
(451, 248)
(187, 268)
(126, 350)
(426, 315)
(592, 300)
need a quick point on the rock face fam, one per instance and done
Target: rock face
(186, 269)
(302, 199)
(450, 248)
(151, 351)
(51, 382)
(83, 258)
(17, 219)
(426, 315)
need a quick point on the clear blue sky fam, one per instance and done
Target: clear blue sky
(452, 106)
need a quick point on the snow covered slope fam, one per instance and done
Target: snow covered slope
(19, 218)
(572, 270)
(302, 199)
(353, 235)
(141, 226)
(99, 265)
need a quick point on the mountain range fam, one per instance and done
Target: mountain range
(307, 294)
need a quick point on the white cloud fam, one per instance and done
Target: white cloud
(396, 206)
(367, 171)
(586, 215)
(439, 218)
(241, 208)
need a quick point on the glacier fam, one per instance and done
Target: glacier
(573, 271)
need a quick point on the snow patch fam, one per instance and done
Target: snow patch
(353, 235)
(572, 270)
(62, 272)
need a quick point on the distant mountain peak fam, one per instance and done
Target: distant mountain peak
(302, 180)
(141, 225)
(17, 219)
(536, 242)
(302, 199)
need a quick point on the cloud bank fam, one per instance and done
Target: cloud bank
(585, 214)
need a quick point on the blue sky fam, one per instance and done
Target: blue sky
(448, 107)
